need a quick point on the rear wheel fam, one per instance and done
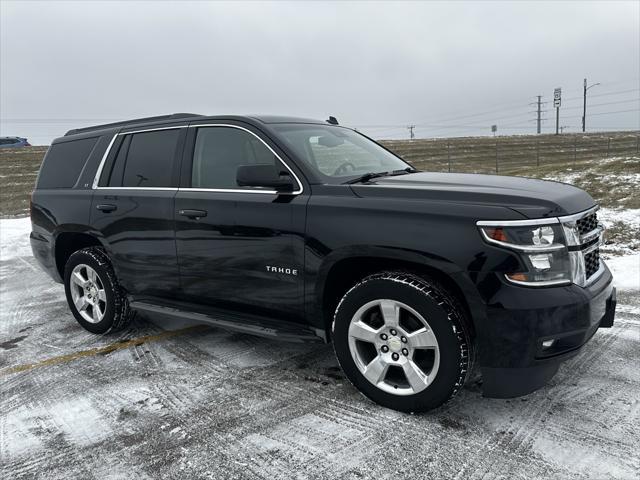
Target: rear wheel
(94, 296)
(402, 341)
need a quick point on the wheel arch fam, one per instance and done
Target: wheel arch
(341, 272)
(66, 242)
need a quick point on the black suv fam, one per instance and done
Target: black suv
(306, 230)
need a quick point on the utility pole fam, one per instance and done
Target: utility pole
(584, 104)
(410, 128)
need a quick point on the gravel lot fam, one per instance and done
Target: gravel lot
(204, 403)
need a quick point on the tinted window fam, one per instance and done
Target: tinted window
(64, 162)
(219, 151)
(150, 159)
(114, 168)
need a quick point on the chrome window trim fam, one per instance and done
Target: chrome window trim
(231, 190)
(165, 189)
(96, 179)
(297, 191)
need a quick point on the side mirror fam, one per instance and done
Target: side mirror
(268, 176)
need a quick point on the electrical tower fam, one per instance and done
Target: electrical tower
(539, 118)
(539, 113)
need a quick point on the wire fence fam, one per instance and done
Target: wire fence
(507, 155)
(513, 153)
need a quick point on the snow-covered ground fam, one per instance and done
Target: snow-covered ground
(212, 404)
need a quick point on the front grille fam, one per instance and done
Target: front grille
(588, 223)
(592, 262)
(583, 242)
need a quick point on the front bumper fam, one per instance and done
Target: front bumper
(512, 357)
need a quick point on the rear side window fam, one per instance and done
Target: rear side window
(145, 160)
(64, 162)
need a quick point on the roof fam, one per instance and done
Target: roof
(284, 119)
(137, 121)
(267, 119)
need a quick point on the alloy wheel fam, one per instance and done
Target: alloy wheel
(394, 347)
(87, 293)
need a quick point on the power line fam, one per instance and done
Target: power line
(619, 92)
(605, 103)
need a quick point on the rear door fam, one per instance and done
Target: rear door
(239, 248)
(133, 208)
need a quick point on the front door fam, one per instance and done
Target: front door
(239, 248)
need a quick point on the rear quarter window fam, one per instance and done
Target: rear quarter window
(64, 162)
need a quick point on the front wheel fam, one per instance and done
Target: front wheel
(93, 293)
(402, 341)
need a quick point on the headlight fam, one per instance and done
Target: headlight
(542, 247)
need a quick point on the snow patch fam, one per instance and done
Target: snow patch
(610, 216)
(626, 271)
(14, 238)
(22, 433)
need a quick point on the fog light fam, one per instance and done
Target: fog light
(548, 343)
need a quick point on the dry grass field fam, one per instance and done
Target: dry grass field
(541, 156)
(508, 155)
(18, 172)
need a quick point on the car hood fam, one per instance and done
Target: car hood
(530, 197)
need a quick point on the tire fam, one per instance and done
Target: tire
(427, 354)
(93, 293)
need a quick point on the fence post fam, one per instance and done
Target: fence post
(637, 144)
(496, 156)
(575, 147)
(538, 153)
(608, 145)
(449, 154)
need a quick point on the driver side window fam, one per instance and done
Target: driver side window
(219, 151)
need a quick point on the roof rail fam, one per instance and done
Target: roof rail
(159, 118)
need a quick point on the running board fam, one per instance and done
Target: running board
(242, 323)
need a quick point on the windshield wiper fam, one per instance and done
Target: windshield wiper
(371, 175)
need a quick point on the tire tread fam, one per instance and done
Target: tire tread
(122, 312)
(456, 316)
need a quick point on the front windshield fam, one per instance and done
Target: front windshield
(338, 153)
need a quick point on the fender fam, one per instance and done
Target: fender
(77, 229)
(421, 259)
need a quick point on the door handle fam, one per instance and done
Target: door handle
(106, 207)
(193, 213)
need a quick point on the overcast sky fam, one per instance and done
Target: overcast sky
(449, 68)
